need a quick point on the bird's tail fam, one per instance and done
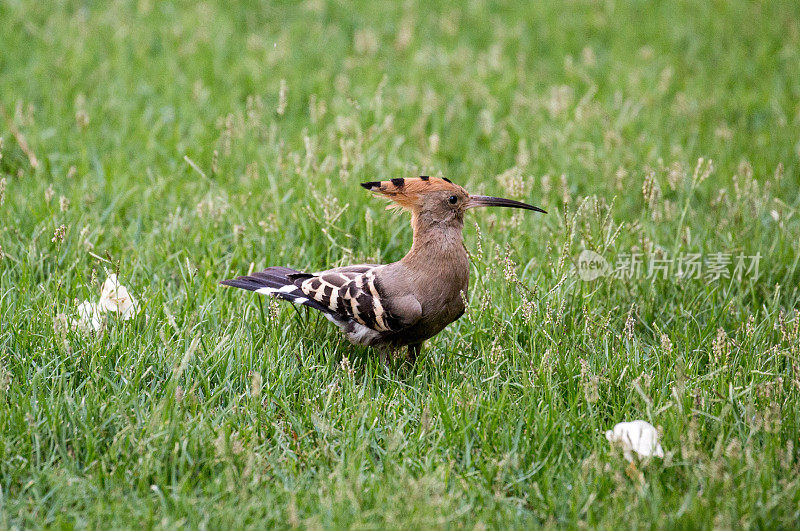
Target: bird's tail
(280, 282)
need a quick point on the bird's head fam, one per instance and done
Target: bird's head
(435, 200)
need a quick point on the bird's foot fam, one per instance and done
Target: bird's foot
(413, 351)
(386, 355)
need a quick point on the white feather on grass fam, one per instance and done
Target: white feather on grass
(636, 436)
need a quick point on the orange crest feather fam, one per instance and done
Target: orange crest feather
(406, 193)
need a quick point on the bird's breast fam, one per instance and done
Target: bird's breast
(442, 291)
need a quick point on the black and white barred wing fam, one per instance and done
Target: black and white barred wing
(278, 282)
(353, 292)
(351, 297)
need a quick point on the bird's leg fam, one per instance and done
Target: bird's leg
(386, 353)
(413, 351)
(389, 352)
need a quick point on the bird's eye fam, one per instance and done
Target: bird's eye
(452, 200)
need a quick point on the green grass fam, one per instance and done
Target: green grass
(162, 125)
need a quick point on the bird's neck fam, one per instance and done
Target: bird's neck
(436, 245)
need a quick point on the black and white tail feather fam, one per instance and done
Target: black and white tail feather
(349, 297)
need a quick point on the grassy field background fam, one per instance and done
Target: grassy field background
(180, 143)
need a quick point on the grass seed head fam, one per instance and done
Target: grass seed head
(566, 196)
(5, 379)
(59, 233)
(283, 91)
(590, 383)
(433, 143)
(650, 189)
(255, 385)
(720, 347)
(347, 367)
(666, 344)
(630, 325)
(512, 182)
(546, 184)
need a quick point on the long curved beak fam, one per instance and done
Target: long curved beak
(485, 200)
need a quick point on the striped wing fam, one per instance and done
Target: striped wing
(353, 293)
(350, 297)
(278, 282)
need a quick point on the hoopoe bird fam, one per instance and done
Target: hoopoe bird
(400, 304)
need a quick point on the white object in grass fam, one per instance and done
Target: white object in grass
(114, 297)
(89, 318)
(636, 436)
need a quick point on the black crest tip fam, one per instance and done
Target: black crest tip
(448, 180)
(399, 182)
(424, 177)
(372, 184)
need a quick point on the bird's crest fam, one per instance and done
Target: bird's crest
(406, 192)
